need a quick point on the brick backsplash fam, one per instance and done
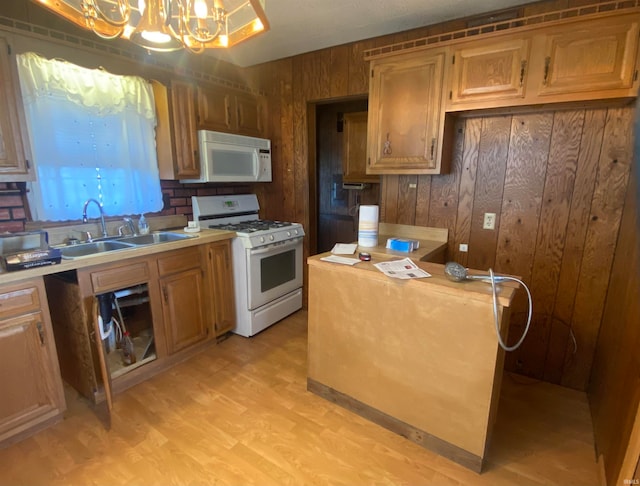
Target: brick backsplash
(176, 196)
(12, 208)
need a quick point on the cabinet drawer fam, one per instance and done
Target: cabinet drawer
(19, 301)
(120, 277)
(179, 260)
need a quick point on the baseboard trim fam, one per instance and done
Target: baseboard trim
(420, 437)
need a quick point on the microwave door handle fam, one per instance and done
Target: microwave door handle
(285, 244)
(258, 161)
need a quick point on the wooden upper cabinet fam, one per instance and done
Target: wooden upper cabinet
(590, 60)
(354, 149)
(486, 71)
(176, 136)
(183, 118)
(15, 153)
(406, 113)
(233, 111)
(214, 109)
(250, 110)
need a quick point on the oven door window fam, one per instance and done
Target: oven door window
(273, 272)
(277, 269)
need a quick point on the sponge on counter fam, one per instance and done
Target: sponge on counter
(401, 244)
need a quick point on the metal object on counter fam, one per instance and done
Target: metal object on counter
(20, 251)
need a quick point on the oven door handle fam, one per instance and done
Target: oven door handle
(268, 248)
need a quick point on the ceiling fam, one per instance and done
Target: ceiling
(299, 26)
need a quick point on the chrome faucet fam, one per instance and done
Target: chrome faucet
(128, 223)
(84, 215)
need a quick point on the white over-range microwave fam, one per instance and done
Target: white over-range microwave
(225, 157)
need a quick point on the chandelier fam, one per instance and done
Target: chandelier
(167, 25)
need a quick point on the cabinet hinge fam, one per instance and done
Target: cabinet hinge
(635, 75)
(8, 49)
(450, 94)
(372, 73)
(28, 163)
(453, 59)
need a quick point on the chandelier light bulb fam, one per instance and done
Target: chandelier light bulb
(200, 8)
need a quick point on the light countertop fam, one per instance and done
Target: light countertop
(203, 237)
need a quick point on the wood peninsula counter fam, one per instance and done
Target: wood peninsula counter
(419, 357)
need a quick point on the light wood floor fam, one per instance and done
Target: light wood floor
(240, 414)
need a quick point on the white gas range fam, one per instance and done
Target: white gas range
(267, 259)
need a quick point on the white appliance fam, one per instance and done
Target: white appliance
(225, 157)
(267, 259)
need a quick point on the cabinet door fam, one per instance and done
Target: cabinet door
(221, 286)
(596, 56)
(183, 309)
(406, 114)
(354, 149)
(187, 164)
(250, 115)
(14, 147)
(486, 72)
(215, 110)
(29, 374)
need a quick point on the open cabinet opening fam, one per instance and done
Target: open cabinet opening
(132, 325)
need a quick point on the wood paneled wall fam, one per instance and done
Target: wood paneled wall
(614, 392)
(556, 181)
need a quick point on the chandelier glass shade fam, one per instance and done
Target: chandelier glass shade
(167, 25)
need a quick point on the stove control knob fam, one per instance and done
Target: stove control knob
(271, 237)
(262, 239)
(288, 233)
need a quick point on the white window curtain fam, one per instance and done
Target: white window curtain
(93, 136)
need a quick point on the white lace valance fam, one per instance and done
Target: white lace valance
(95, 89)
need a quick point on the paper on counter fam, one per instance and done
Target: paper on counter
(344, 248)
(341, 260)
(404, 269)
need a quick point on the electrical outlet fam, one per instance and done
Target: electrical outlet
(464, 247)
(489, 221)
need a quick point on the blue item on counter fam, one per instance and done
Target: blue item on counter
(401, 244)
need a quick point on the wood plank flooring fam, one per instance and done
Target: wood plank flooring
(239, 414)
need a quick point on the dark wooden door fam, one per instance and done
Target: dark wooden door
(337, 207)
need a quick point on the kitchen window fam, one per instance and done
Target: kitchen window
(92, 135)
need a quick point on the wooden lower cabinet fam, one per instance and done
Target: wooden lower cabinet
(164, 303)
(220, 286)
(30, 384)
(183, 308)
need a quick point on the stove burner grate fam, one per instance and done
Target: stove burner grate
(251, 226)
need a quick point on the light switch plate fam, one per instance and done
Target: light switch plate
(464, 247)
